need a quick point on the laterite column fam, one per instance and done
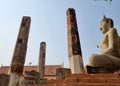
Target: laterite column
(41, 63)
(18, 59)
(74, 48)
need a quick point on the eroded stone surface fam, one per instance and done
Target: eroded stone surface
(41, 62)
(61, 72)
(30, 77)
(18, 59)
(74, 48)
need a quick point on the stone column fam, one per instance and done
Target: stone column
(41, 63)
(74, 48)
(18, 59)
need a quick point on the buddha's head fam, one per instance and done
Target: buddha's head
(106, 24)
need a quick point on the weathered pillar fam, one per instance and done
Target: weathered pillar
(41, 63)
(74, 48)
(18, 59)
(61, 72)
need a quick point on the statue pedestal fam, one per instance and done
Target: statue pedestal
(107, 69)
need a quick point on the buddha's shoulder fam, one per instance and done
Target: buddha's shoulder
(112, 30)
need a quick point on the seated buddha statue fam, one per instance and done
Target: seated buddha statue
(110, 46)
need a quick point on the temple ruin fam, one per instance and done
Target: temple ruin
(76, 75)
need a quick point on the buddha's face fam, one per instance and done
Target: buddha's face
(104, 27)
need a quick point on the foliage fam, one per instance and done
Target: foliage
(105, 0)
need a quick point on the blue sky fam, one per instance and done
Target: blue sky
(49, 24)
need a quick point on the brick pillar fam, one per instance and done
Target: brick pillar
(18, 59)
(60, 73)
(41, 63)
(74, 48)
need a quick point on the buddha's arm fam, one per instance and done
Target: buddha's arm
(111, 41)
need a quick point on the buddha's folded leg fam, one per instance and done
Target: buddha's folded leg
(103, 60)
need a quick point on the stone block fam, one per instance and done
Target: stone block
(61, 72)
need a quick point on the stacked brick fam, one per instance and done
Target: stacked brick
(4, 79)
(85, 80)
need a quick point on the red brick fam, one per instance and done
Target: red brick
(71, 80)
(92, 80)
(55, 81)
(97, 84)
(50, 84)
(86, 80)
(92, 76)
(62, 84)
(113, 81)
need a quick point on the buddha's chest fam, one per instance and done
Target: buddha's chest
(104, 43)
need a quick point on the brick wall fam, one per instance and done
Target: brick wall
(85, 80)
(4, 79)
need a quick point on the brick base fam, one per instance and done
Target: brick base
(85, 80)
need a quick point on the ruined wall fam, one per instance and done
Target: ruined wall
(4, 79)
(85, 80)
(30, 77)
